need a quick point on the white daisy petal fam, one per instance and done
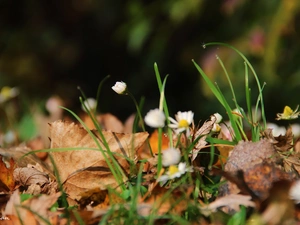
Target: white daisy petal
(155, 118)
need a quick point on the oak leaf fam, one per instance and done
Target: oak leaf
(84, 169)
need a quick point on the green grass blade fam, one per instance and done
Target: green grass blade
(210, 84)
(254, 74)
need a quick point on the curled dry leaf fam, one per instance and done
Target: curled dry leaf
(81, 170)
(260, 164)
(34, 181)
(201, 134)
(255, 181)
(17, 153)
(27, 176)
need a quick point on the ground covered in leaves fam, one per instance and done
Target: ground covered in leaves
(71, 181)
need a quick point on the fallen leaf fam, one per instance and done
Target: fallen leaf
(39, 206)
(153, 140)
(284, 142)
(7, 166)
(28, 176)
(18, 152)
(81, 170)
(255, 181)
(232, 201)
(201, 134)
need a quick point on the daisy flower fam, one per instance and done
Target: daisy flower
(155, 118)
(288, 114)
(182, 122)
(170, 156)
(174, 172)
(90, 104)
(120, 87)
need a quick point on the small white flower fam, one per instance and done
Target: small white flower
(155, 118)
(90, 104)
(170, 156)
(216, 128)
(119, 87)
(175, 171)
(218, 117)
(7, 93)
(182, 122)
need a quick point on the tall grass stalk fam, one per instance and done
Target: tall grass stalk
(260, 87)
(237, 123)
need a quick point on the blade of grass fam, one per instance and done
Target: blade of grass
(210, 84)
(254, 74)
(165, 105)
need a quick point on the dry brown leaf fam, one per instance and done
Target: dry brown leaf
(232, 201)
(27, 176)
(17, 214)
(81, 170)
(17, 153)
(285, 142)
(106, 121)
(297, 145)
(39, 205)
(202, 133)
(7, 182)
(281, 143)
(255, 181)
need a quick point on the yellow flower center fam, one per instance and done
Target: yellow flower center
(183, 123)
(287, 111)
(173, 169)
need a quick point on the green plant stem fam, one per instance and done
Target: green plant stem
(137, 109)
(254, 74)
(161, 86)
(159, 160)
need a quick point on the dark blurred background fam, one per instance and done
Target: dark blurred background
(50, 47)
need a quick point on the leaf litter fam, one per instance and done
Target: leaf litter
(256, 175)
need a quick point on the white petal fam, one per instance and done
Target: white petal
(170, 156)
